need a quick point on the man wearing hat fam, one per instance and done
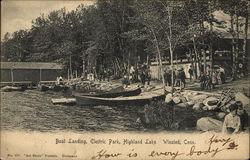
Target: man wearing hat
(232, 122)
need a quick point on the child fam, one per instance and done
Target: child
(232, 121)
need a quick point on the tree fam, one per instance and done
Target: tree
(235, 9)
(117, 34)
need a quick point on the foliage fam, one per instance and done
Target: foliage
(159, 112)
(116, 34)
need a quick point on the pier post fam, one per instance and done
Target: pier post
(12, 75)
(40, 74)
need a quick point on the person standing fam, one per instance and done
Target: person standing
(219, 80)
(175, 72)
(223, 75)
(142, 76)
(167, 77)
(214, 79)
(202, 81)
(104, 74)
(178, 78)
(191, 72)
(183, 78)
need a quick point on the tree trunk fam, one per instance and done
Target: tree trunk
(70, 66)
(192, 63)
(204, 61)
(233, 45)
(170, 49)
(204, 49)
(169, 11)
(211, 44)
(159, 55)
(237, 40)
(128, 71)
(245, 39)
(197, 57)
(158, 67)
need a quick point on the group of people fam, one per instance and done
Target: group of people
(140, 74)
(179, 78)
(208, 80)
(211, 78)
(105, 74)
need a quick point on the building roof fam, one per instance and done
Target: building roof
(30, 65)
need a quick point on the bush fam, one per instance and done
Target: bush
(159, 113)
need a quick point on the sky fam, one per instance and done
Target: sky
(18, 14)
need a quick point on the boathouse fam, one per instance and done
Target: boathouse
(29, 72)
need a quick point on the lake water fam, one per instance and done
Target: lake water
(32, 110)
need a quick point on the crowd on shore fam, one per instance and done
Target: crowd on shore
(207, 80)
(142, 74)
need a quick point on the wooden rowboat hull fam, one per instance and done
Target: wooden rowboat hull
(135, 100)
(134, 92)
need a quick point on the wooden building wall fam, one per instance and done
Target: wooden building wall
(33, 75)
(26, 75)
(50, 75)
(5, 75)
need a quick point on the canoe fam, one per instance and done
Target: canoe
(140, 100)
(126, 93)
(12, 88)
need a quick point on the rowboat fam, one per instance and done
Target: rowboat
(142, 99)
(126, 93)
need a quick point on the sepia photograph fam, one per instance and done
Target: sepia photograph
(125, 79)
